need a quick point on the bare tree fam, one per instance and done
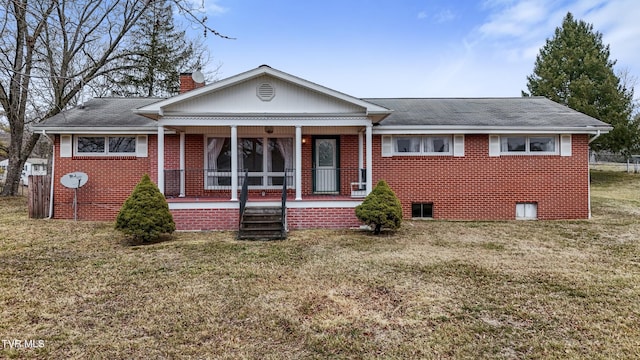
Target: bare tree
(629, 81)
(51, 50)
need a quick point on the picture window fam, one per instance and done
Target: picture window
(529, 145)
(422, 145)
(105, 145)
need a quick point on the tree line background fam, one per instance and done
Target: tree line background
(53, 53)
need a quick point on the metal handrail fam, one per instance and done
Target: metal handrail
(284, 205)
(244, 195)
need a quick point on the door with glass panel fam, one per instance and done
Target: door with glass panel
(325, 165)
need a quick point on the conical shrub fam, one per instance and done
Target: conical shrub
(145, 214)
(381, 209)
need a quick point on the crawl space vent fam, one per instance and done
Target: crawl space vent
(265, 92)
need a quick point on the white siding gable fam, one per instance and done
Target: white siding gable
(243, 98)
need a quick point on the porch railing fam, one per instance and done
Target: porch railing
(284, 207)
(217, 182)
(244, 195)
(337, 181)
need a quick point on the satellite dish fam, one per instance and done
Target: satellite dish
(74, 180)
(197, 76)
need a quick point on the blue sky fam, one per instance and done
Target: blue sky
(409, 48)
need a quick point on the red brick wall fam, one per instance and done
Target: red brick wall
(472, 187)
(479, 187)
(206, 219)
(111, 180)
(329, 218)
(227, 219)
(187, 83)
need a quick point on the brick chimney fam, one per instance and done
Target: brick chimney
(187, 83)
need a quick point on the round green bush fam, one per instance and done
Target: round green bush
(381, 209)
(145, 214)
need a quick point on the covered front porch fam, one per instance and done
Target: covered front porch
(283, 137)
(212, 164)
(318, 175)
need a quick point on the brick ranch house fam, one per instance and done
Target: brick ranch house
(457, 159)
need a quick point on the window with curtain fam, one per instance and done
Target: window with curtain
(541, 145)
(218, 172)
(422, 145)
(267, 161)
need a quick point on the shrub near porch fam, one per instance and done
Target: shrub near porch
(554, 290)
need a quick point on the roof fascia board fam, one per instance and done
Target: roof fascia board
(99, 131)
(381, 130)
(260, 121)
(262, 115)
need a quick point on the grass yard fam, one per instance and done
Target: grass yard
(435, 289)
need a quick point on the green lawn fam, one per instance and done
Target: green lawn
(435, 289)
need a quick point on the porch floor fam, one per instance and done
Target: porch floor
(260, 198)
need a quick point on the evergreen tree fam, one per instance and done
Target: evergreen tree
(160, 53)
(145, 214)
(381, 209)
(573, 68)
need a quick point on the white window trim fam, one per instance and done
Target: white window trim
(529, 210)
(527, 151)
(139, 151)
(421, 152)
(264, 174)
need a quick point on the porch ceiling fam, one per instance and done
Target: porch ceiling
(262, 130)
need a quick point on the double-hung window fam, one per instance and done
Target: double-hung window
(539, 144)
(422, 145)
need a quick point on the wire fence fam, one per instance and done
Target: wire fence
(606, 161)
(22, 189)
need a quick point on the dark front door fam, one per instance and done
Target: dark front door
(325, 160)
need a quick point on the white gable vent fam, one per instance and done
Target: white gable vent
(266, 92)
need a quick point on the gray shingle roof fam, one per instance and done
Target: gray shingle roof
(103, 112)
(495, 112)
(526, 112)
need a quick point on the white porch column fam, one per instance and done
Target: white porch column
(161, 159)
(360, 156)
(369, 158)
(298, 162)
(182, 164)
(234, 163)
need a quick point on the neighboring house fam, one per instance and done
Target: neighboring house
(457, 159)
(33, 166)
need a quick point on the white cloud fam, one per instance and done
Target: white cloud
(514, 19)
(443, 16)
(515, 30)
(209, 7)
(213, 8)
(620, 28)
